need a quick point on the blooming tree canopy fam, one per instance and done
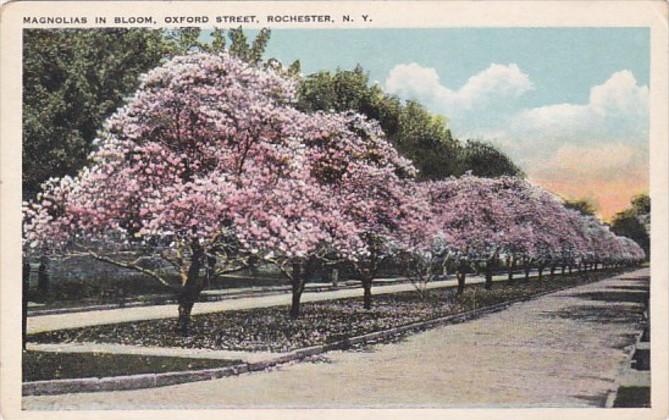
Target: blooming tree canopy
(209, 164)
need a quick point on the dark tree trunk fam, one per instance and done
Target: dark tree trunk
(552, 271)
(190, 291)
(211, 270)
(511, 266)
(367, 270)
(570, 267)
(297, 283)
(541, 272)
(488, 277)
(461, 282)
(527, 271)
(367, 298)
(563, 269)
(43, 277)
(24, 303)
(334, 277)
(186, 303)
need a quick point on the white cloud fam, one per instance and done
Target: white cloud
(620, 95)
(496, 83)
(617, 112)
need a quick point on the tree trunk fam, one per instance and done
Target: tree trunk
(461, 282)
(488, 277)
(190, 291)
(211, 269)
(563, 269)
(367, 286)
(186, 303)
(527, 271)
(541, 272)
(552, 271)
(334, 276)
(511, 264)
(43, 277)
(570, 266)
(24, 303)
(297, 283)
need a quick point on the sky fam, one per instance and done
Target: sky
(569, 105)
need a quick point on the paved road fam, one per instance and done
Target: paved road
(559, 350)
(42, 323)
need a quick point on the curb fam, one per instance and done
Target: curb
(627, 362)
(119, 383)
(625, 365)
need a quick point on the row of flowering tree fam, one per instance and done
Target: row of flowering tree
(508, 219)
(209, 166)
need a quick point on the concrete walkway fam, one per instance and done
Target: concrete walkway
(560, 350)
(42, 323)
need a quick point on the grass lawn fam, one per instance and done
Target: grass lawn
(43, 365)
(270, 329)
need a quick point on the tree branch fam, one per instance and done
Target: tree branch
(129, 265)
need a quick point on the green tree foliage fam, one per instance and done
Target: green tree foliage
(583, 206)
(632, 222)
(484, 160)
(418, 135)
(73, 80)
(641, 204)
(424, 138)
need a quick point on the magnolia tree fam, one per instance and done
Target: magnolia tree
(181, 170)
(555, 234)
(351, 160)
(472, 212)
(420, 244)
(631, 252)
(350, 202)
(601, 242)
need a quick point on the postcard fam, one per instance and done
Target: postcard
(365, 209)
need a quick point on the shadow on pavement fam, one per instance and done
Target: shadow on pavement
(615, 296)
(609, 314)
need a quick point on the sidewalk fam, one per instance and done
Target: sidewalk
(564, 349)
(43, 323)
(40, 309)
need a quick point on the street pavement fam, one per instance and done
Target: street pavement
(563, 349)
